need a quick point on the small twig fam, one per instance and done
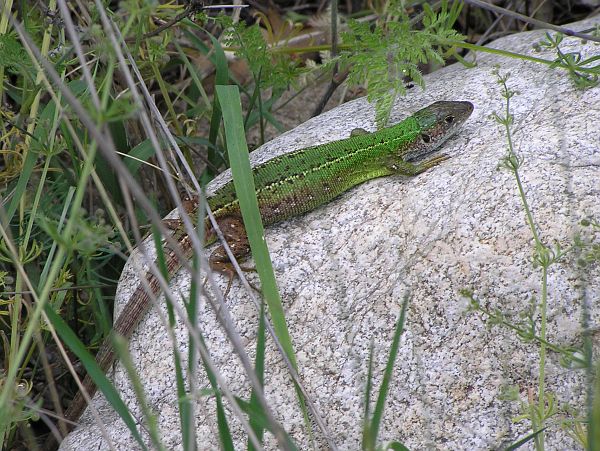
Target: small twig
(491, 28)
(530, 20)
(54, 290)
(335, 80)
(192, 8)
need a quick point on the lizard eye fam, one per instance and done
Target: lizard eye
(449, 119)
(426, 138)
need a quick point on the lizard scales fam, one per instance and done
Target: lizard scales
(292, 184)
(299, 181)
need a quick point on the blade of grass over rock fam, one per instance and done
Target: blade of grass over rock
(385, 383)
(366, 432)
(186, 406)
(524, 440)
(244, 186)
(262, 421)
(184, 403)
(259, 367)
(225, 436)
(237, 149)
(120, 345)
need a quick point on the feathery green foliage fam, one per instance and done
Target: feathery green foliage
(580, 69)
(270, 69)
(382, 57)
(13, 56)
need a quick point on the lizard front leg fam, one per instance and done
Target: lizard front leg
(234, 233)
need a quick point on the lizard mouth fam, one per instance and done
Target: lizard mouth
(429, 147)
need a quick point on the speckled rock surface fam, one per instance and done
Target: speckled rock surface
(344, 269)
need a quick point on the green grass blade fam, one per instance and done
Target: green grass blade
(19, 192)
(142, 152)
(184, 402)
(222, 77)
(244, 184)
(92, 368)
(40, 136)
(229, 99)
(387, 376)
(222, 424)
(261, 419)
(524, 440)
(186, 405)
(138, 155)
(225, 436)
(366, 438)
(259, 367)
(121, 347)
(396, 446)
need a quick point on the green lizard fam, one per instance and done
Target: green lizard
(292, 184)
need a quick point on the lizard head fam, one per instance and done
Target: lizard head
(437, 122)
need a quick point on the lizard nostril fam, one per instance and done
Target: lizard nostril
(426, 138)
